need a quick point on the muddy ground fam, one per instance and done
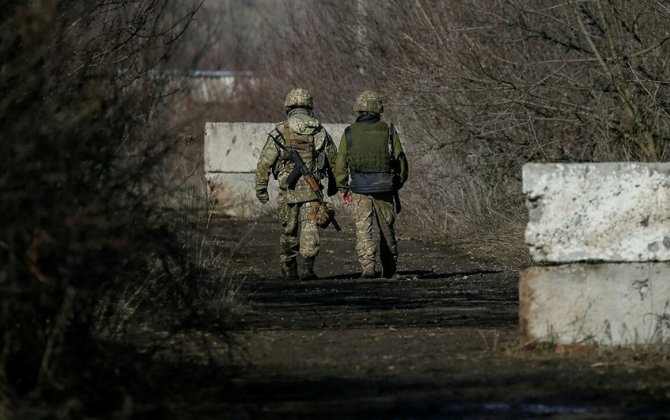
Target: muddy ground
(438, 341)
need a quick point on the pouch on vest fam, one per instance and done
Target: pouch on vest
(322, 218)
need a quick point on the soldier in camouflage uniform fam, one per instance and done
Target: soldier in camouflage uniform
(370, 167)
(297, 208)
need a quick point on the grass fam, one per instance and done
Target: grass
(467, 213)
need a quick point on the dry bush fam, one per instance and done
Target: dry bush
(339, 48)
(507, 82)
(569, 82)
(83, 192)
(481, 87)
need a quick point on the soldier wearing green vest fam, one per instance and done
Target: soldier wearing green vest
(297, 205)
(370, 168)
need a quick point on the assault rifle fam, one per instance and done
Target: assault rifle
(301, 170)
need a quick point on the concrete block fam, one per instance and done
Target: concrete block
(605, 304)
(235, 147)
(233, 194)
(231, 154)
(609, 212)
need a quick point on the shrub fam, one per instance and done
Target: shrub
(81, 185)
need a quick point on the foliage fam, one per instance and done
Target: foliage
(81, 185)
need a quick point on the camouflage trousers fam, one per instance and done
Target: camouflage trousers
(300, 234)
(370, 208)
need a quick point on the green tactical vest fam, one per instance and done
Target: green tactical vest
(369, 151)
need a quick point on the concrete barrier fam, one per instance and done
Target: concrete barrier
(614, 212)
(610, 304)
(234, 147)
(605, 227)
(231, 154)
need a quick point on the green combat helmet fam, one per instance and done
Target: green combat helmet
(369, 101)
(299, 98)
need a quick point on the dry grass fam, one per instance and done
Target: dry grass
(466, 213)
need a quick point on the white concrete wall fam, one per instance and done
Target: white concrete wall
(234, 147)
(614, 212)
(234, 194)
(609, 304)
(605, 227)
(231, 154)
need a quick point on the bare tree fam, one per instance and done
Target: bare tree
(574, 81)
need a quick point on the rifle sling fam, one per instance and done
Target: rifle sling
(287, 134)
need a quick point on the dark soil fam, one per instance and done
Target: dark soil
(440, 340)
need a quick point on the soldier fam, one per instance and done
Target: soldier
(297, 208)
(370, 168)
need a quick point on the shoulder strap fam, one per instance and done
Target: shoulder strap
(287, 134)
(277, 136)
(347, 135)
(326, 138)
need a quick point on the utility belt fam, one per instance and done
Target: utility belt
(311, 207)
(317, 213)
(321, 214)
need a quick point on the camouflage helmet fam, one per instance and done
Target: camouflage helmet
(299, 98)
(369, 101)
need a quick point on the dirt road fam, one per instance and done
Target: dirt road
(437, 341)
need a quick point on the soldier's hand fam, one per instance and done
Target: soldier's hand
(262, 195)
(347, 198)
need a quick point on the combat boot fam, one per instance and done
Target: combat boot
(307, 272)
(289, 270)
(369, 272)
(388, 268)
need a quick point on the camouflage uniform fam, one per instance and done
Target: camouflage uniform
(371, 165)
(296, 207)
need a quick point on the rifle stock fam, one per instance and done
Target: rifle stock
(293, 178)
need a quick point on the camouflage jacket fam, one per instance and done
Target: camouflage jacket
(317, 150)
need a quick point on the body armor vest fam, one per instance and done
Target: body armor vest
(303, 144)
(370, 157)
(372, 149)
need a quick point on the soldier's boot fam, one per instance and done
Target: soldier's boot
(289, 270)
(307, 269)
(388, 267)
(368, 272)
